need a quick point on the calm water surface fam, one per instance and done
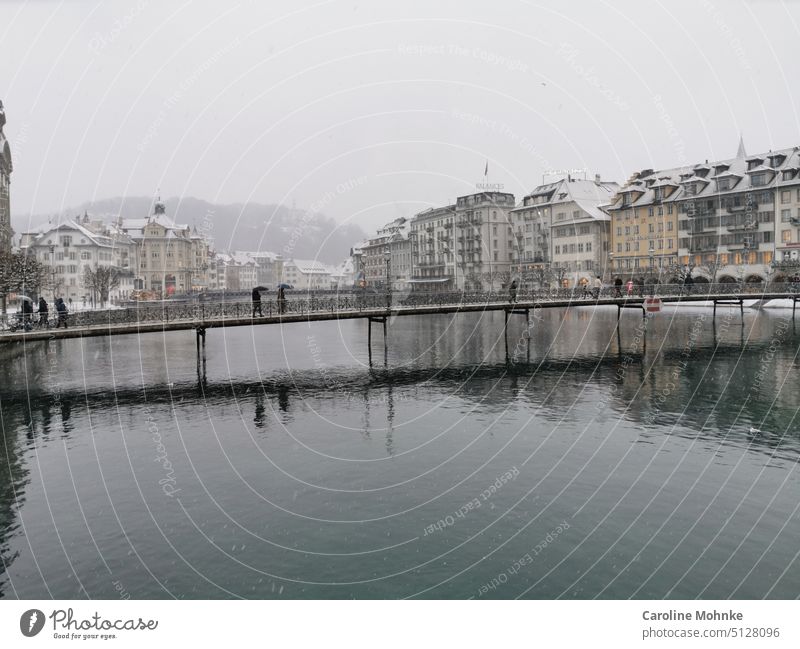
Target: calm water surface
(583, 462)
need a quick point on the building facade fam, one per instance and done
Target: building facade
(6, 167)
(306, 274)
(563, 231)
(386, 257)
(734, 220)
(69, 248)
(644, 227)
(485, 240)
(168, 253)
(432, 236)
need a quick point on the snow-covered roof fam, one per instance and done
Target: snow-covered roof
(588, 195)
(730, 168)
(310, 266)
(92, 238)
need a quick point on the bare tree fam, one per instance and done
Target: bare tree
(101, 280)
(19, 273)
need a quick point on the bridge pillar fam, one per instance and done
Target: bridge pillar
(738, 301)
(384, 320)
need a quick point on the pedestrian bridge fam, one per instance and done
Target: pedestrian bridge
(198, 316)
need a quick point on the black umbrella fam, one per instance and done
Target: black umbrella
(260, 288)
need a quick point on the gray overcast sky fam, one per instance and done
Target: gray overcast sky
(371, 110)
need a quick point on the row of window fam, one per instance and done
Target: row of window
(572, 248)
(572, 230)
(658, 244)
(651, 227)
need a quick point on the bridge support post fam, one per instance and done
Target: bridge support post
(505, 329)
(739, 301)
(384, 321)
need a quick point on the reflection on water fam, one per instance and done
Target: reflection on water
(295, 468)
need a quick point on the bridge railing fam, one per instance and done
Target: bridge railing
(199, 312)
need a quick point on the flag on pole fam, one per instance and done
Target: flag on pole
(486, 171)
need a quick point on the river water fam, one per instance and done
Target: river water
(652, 460)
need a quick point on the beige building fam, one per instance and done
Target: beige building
(169, 254)
(6, 167)
(485, 242)
(729, 220)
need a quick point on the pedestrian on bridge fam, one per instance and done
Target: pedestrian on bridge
(512, 292)
(281, 299)
(257, 303)
(629, 287)
(61, 308)
(688, 283)
(598, 286)
(618, 287)
(43, 319)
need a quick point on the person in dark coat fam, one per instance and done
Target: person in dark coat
(257, 303)
(618, 287)
(281, 300)
(27, 314)
(61, 308)
(512, 291)
(43, 312)
(688, 283)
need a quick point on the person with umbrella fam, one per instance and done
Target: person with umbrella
(282, 297)
(257, 300)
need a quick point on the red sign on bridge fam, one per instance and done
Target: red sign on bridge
(652, 304)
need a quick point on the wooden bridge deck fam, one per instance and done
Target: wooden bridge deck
(190, 322)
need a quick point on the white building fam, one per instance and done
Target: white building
(387, 256)
(562, 227)
(70, 247)
(433, 266)
(306, 274)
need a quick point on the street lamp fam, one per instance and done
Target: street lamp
(387, 255)
(53, 269)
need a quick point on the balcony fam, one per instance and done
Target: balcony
(739, 227)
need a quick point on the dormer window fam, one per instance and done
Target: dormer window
(702, 172)
(658, 193)
(752, 163)
(776, 160)
(720, 169)
(691, 189)
(788, 174)
(723, 184)
(758, 180)
(626, 199)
